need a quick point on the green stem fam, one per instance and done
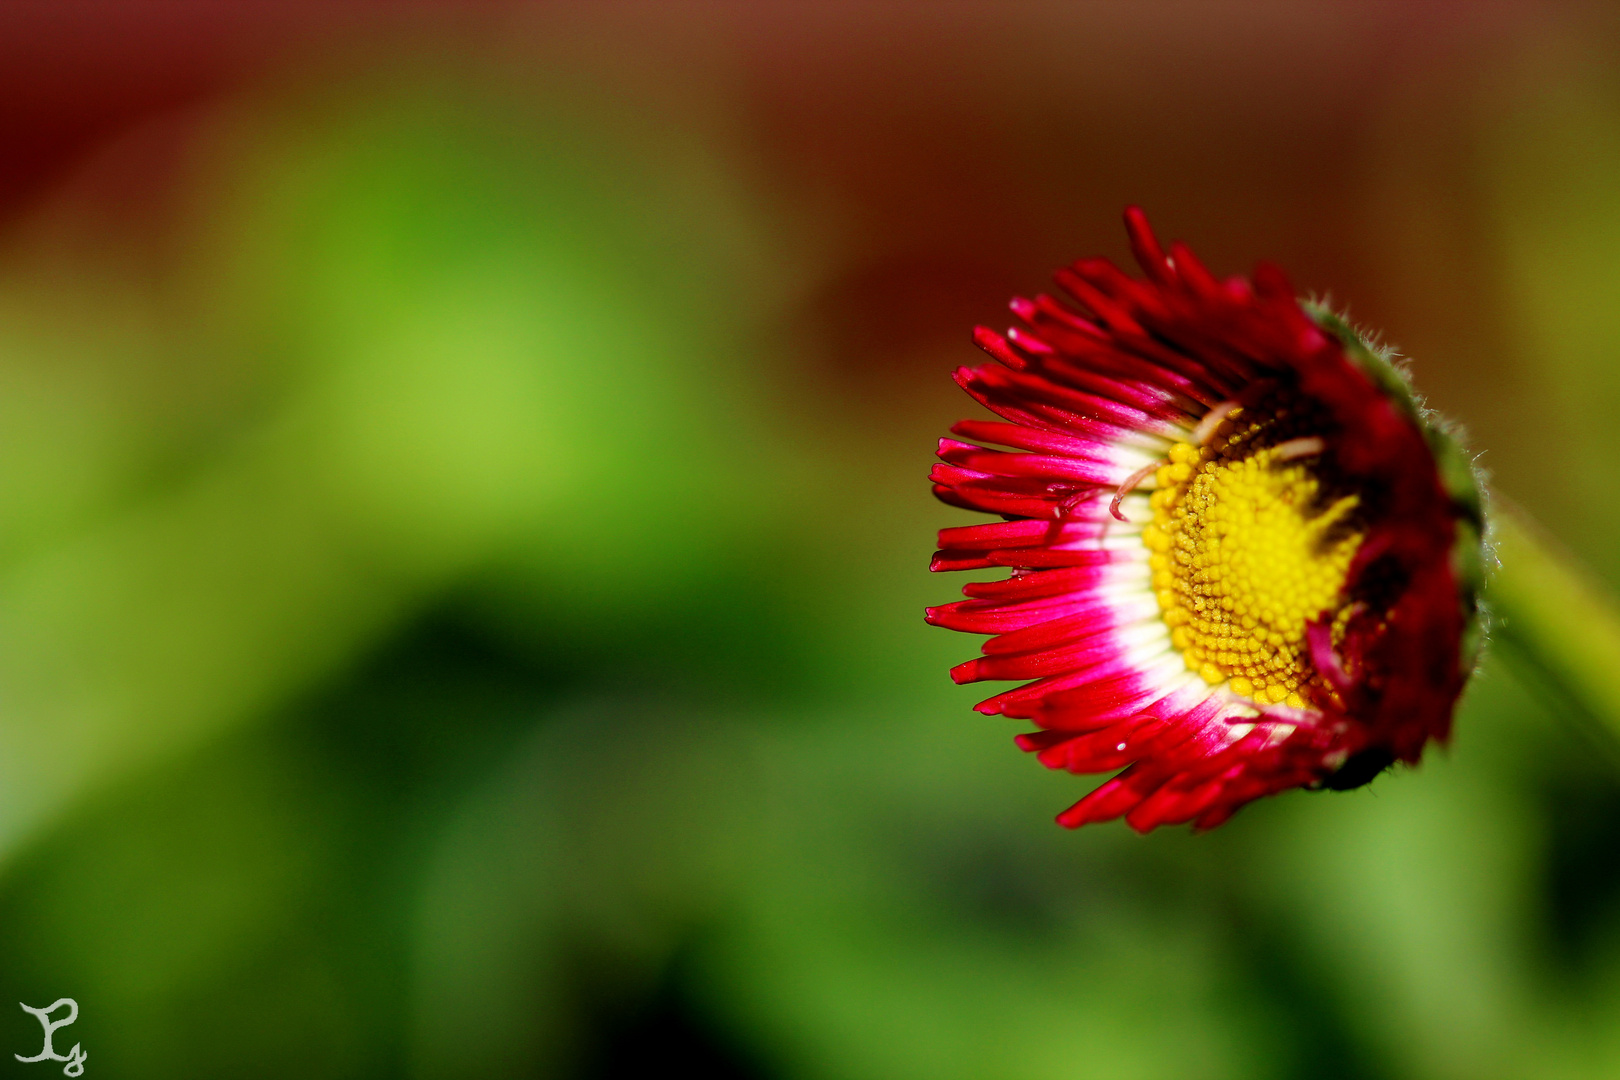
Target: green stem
(1553, 614)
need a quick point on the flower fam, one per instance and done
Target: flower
(1244, 557)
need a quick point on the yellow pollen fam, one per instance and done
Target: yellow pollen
(1247, 549)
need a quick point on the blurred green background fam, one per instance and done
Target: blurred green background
(463, 539)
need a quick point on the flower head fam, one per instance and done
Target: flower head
(1244, 557)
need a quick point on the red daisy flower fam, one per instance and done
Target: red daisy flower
(1244, 557)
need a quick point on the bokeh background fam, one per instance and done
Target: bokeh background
(463, 538)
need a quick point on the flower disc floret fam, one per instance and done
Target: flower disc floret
(1249, 549)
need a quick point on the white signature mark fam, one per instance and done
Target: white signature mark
(75, 1057)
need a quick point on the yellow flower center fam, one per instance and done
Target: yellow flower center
(1248, 547)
